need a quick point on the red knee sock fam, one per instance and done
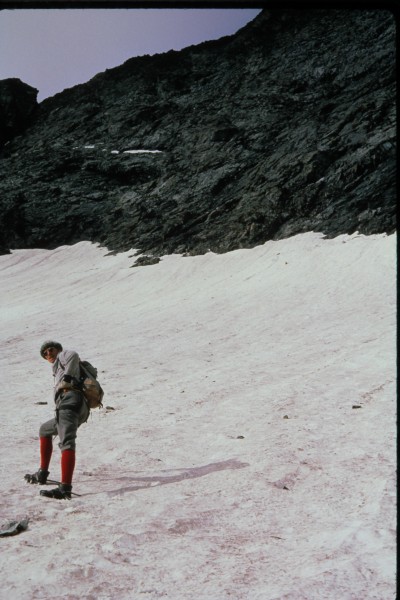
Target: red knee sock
(46, 449)
(67, 466)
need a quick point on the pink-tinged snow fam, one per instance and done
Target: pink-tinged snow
(250, 452)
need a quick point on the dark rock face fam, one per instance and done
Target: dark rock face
(286, 127)
(17, 105)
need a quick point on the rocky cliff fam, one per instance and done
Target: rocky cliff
(286, 127)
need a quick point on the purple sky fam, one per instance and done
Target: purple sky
(53, 49)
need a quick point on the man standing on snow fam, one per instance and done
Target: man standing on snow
(71, 412)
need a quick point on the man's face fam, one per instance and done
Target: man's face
(50, 354)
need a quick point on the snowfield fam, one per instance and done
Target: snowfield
(246, 449)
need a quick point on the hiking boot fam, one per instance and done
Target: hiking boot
(39, 477)
(62, 492)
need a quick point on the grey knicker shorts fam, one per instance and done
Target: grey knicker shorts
(71, 412)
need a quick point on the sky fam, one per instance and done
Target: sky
(52, 49)
(247, 444)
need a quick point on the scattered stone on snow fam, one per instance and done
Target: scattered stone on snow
(14, 527)
(144, 261)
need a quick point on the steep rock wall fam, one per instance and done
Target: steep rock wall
(286, 127)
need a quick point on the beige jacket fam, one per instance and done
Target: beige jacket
(66, 371)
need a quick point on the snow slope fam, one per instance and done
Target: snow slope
(248, 447)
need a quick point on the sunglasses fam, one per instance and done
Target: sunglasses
(48, 351)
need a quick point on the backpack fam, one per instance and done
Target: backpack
(91, 388)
